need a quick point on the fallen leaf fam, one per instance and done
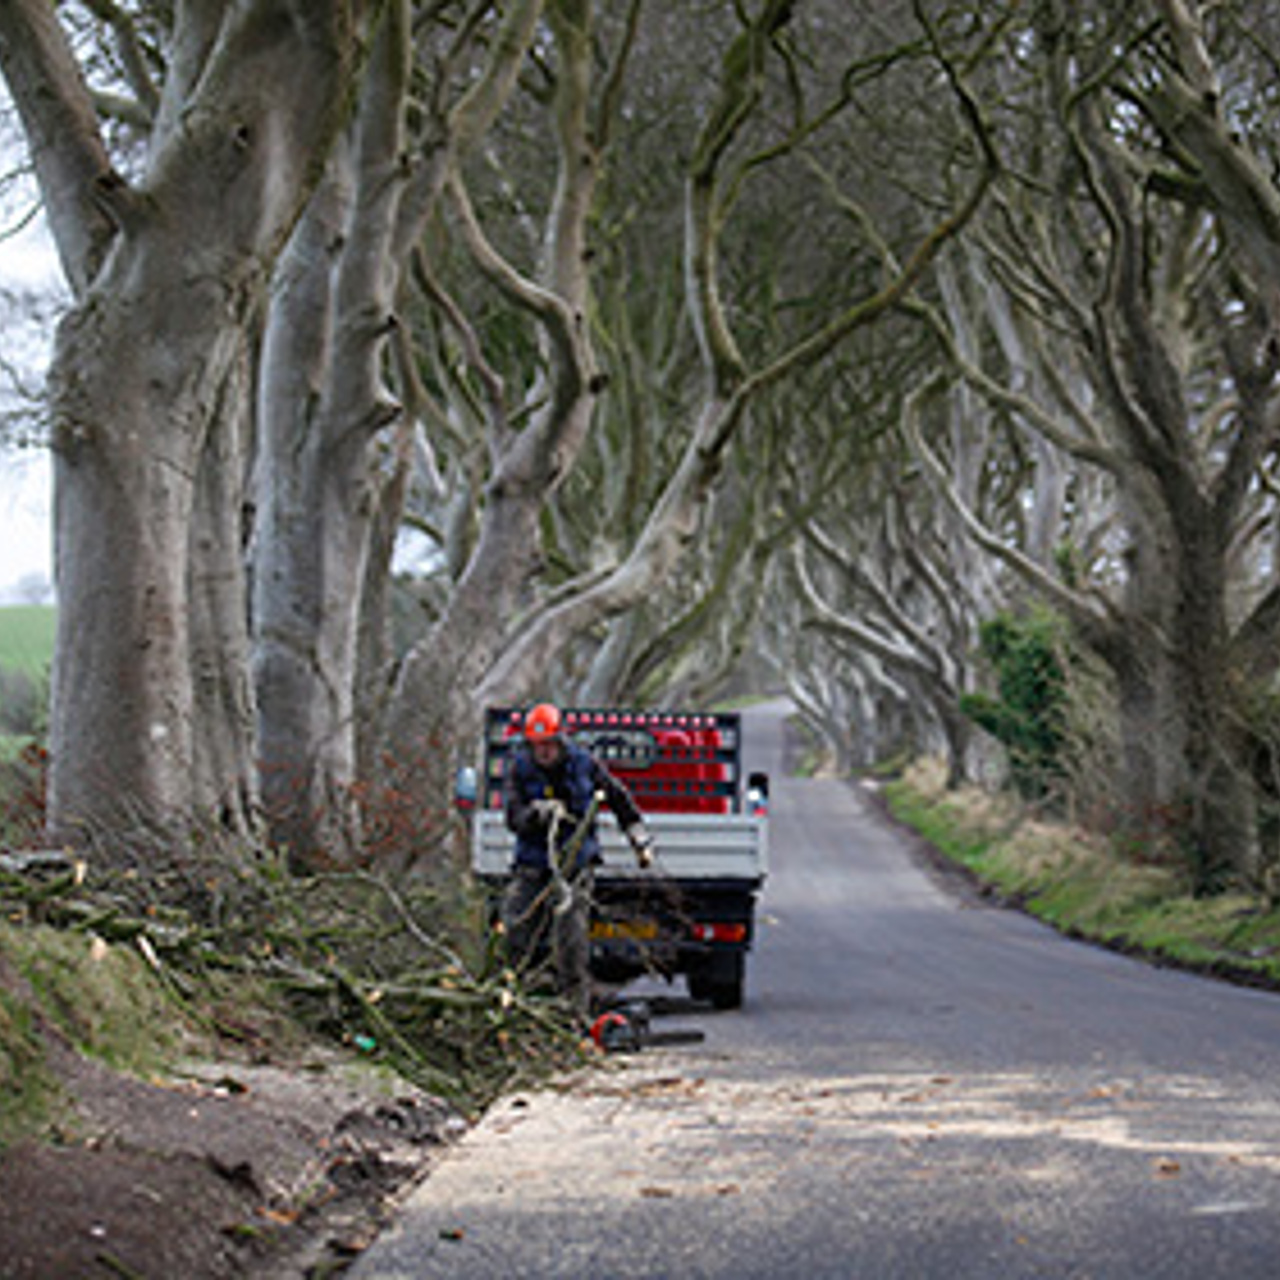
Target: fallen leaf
(281, 1217)
(351, 1246)
(657, 1193)
(667, 1085)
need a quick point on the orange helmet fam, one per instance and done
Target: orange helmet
(542, 722)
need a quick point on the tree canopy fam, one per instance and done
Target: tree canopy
(811, 333)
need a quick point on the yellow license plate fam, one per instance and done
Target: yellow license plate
(636, 930)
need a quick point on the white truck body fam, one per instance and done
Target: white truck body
(688, 847)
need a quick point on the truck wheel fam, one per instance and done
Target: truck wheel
(719, 980)
(699, 981)
(727, 995)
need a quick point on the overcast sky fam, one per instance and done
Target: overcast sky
(27, 261)
(25, 541)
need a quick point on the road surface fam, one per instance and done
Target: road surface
(918, 1086)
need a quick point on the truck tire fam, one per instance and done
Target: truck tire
(719, 980)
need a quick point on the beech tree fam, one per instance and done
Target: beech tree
(435, 325)
(503, 630)
(731, 385)
(166, 251)
(1136, 266)
(341, 408)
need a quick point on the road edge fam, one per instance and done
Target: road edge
(971, 890)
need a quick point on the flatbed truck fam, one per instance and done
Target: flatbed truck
(693, 912)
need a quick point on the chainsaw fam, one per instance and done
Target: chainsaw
(627, 1027)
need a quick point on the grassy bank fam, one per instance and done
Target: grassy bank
(101, 999)
(1082, 886)
(26, 637)
(26, 652)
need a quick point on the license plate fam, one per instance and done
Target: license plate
(635, 930)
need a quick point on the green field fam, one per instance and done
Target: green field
(26, 637)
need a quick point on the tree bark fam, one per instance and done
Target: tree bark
(434, 708)
(166, 292)
(225, 765)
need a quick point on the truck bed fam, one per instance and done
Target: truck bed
(689, 846)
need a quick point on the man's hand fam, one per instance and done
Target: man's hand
(549, 812)
(641, 844)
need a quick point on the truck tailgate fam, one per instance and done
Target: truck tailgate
(691, 846)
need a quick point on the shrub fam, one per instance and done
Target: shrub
(22, 794)
(21, 703)
(1028, 714)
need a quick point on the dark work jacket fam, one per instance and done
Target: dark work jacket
(575, 777)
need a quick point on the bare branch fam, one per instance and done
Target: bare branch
(67, 149)
(1088, 610)
(133, 58)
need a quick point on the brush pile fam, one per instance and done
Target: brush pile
(407, 972)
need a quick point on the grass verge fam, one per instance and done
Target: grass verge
(101, 999)
(26, 637)
(1080, 885)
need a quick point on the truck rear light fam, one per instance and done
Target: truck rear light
(719, 932)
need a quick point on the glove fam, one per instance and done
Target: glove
(641, 844)
(549, 812)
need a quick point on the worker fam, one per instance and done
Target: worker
(551, 789)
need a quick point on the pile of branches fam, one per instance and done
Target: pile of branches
(406, 972)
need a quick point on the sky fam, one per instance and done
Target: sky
(27, 261)
(25, 535)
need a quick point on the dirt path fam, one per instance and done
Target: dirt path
(233, 1169)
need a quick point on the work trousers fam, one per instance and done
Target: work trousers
(543, 931)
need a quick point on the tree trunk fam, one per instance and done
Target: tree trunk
(1223, 832)
(168, 278)
(434, 708)
(225, 782)
(121, 721)
(300, 565)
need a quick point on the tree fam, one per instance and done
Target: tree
(167, 251)
(731, 387)
(1137, 277)
(333, 434)
(439, 295)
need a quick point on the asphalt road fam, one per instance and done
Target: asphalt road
(918, 1086)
